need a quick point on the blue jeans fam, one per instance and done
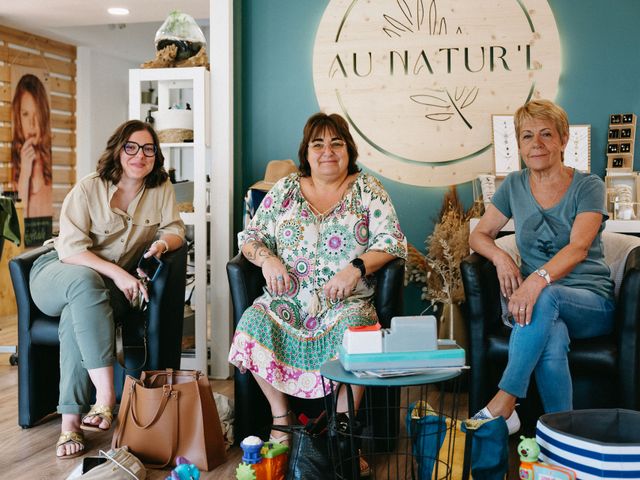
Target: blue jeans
(559, 314)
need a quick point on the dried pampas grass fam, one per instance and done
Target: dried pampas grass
(439, 270)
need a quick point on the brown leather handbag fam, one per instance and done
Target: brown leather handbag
(170, 413)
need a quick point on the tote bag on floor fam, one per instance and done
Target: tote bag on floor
(170, 413)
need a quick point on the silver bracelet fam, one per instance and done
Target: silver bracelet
(164, 243)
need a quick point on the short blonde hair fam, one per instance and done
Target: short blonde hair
(544, 110)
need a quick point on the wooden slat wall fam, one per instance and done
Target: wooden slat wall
(59, 59)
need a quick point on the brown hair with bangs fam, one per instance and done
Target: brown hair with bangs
(335, 125)
(109, 166)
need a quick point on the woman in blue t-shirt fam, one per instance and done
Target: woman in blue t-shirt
(562, 289)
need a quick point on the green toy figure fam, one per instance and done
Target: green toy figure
(528, 450)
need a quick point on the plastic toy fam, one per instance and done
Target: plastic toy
(262, 461)
(531, 469)
(184, 470)
(528, 450)
(542, 471)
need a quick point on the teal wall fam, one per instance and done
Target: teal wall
(600, 75)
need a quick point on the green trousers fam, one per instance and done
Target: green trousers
(86, 303)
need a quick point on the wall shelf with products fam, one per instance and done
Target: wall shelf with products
(182, 114)
(623, 183)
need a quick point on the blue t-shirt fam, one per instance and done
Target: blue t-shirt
(541, 233)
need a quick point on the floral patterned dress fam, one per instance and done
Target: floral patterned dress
(277, 338)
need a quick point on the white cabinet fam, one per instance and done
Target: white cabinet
(186, 85)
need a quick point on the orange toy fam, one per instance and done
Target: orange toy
(262, 461)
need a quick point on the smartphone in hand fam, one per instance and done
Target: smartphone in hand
(150, 266)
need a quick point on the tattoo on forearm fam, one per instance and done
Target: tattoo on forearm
(251, 255)
(259, 250)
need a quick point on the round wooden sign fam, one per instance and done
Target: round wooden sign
(418, 80)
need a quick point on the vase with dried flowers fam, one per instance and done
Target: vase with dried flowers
(439, 270)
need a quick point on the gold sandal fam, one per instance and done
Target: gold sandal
(70, 437)
(104, 412)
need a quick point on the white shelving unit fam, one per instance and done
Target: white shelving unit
(192, 85)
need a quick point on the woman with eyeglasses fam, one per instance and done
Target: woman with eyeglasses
(107, 221)
(318, 236)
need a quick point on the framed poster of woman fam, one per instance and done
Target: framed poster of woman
(31, 164)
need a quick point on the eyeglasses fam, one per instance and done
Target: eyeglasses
(132, 148)
(334, 146)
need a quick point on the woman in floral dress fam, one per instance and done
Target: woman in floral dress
(318, 236)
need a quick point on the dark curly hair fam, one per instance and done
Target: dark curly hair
(109, 166)
(335, 125)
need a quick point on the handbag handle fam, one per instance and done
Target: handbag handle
(124, 414)
(350, 436)
(167, 394)
(468, 445)
(120, 348)
(350, 402)
(174, 435)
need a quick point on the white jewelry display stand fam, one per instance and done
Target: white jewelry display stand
(505, 145)
(577, 153)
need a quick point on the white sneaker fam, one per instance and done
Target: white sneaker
(513, 422)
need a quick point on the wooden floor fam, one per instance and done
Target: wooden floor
(30, 453)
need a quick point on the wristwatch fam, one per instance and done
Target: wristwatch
(544, 274)
(359, 264)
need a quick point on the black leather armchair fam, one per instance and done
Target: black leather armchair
(38, 344)
(604, 369)
(252, 413)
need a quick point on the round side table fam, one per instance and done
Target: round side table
(404, 427)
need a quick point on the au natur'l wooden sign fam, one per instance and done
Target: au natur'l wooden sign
(418, 80)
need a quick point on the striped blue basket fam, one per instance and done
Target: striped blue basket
(596, 444)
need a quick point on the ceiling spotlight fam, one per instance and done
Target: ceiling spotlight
(118, 11)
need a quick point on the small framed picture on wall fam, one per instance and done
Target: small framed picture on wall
(505, 145)
(577, 153)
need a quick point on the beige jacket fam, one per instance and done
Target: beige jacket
(88, 222)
